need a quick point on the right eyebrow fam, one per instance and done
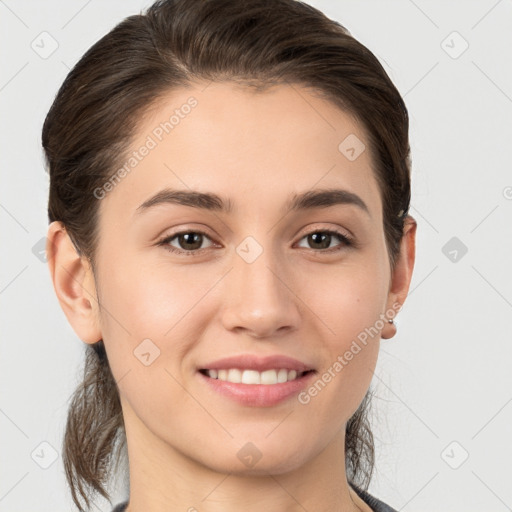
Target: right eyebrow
(195, 199)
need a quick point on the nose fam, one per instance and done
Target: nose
(260, 299)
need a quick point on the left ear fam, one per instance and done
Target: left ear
(401, 278)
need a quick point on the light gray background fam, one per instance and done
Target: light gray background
(444, 378)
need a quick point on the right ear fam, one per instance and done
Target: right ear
(73, 282)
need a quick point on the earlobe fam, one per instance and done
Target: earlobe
(73, 283)
(402, 275)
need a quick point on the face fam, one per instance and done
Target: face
(183, 285)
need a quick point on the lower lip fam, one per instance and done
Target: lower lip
(259, 395)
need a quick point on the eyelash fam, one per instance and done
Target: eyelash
(347, 242)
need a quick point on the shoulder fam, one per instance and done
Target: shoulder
(375, 504)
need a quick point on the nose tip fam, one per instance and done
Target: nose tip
(260, 301)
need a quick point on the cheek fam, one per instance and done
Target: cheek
(348, 310)
(348, 299)
(150, 299)
(151, 302)
(147, 334)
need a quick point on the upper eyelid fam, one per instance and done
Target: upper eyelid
(183, 232)
(317, 226)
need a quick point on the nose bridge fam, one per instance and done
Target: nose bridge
(260, 300)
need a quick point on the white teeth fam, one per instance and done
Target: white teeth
(234, 375)
(254, 377)
(249, 376)
(268, 377)
(282, 376)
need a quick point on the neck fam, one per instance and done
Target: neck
(163, 479)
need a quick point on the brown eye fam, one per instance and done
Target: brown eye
(187, 241)
(320, 240)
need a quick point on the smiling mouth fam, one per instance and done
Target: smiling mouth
(268, 377)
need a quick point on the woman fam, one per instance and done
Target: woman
(229, 235)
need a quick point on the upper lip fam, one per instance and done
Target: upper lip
(252, 362)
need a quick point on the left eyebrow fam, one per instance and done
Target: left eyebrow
(318, 198)
(323, 198)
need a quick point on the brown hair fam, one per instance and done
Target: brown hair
(95, 116)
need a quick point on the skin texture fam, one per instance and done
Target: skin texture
(294, 299)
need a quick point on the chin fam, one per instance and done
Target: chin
(255, 459)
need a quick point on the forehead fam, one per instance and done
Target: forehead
(254, 147)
